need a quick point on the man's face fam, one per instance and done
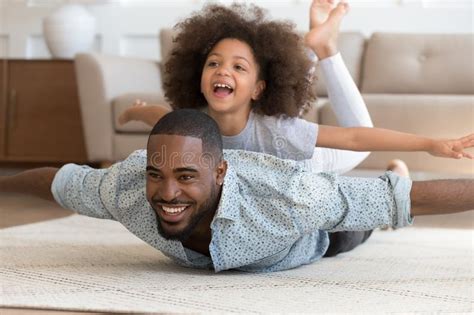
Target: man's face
(182, 185)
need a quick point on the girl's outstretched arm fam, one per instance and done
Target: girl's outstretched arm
(377, 139)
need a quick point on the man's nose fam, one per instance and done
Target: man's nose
(169, 190)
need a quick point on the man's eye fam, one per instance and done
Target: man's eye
(186, 177)
(153, 175)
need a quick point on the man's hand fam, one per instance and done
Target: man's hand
(453, 148)
(36, 182)
(324, 20)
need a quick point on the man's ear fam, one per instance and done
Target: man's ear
(261, 84)
(221, 170)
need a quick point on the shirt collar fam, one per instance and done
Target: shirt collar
(230, 189)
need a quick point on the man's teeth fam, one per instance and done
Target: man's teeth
(173, 210)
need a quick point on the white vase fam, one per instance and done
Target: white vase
(69, 30)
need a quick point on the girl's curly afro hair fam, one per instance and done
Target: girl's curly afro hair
(278, 50)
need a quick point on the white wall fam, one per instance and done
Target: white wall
(130, 27)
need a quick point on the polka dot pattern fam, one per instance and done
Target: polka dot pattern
(273, 214)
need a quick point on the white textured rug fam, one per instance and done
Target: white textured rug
(78, 263)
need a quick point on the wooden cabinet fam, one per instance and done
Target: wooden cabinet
(40, 114)
(3, 102)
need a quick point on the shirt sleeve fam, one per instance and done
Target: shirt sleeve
(346, 100)
(334, 160)
(78, 188)
(350, 110)
(100, 193)
(287, 137)
(335, 203)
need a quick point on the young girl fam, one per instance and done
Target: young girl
(251, 75)
(345, 98)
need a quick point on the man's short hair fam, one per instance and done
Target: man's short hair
(192, 123)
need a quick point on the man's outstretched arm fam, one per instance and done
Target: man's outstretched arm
(36, 182)
(442, 196)
(354, 204)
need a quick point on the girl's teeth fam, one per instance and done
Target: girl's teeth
(222, 85)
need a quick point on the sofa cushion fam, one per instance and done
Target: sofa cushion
(419, 63)
(351, 46)
(121, 103)
(436, 116)
(125, 143)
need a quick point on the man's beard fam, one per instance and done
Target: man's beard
(210, 205)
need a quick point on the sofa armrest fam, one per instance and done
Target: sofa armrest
(100, 79)
(436, 116)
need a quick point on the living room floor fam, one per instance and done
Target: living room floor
(16, 209)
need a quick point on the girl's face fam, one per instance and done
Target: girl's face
(229, 78)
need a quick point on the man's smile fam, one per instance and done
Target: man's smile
(173, 210)
(172, 213)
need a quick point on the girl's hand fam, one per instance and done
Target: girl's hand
(130, 113)
(453, 148)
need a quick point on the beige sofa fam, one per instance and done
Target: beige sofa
(422, 84)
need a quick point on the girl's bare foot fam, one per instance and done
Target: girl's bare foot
(399, 167)
(325, 19)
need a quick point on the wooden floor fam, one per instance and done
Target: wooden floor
(19, 209)
(25, 311)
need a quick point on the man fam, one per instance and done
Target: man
(237, 210)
